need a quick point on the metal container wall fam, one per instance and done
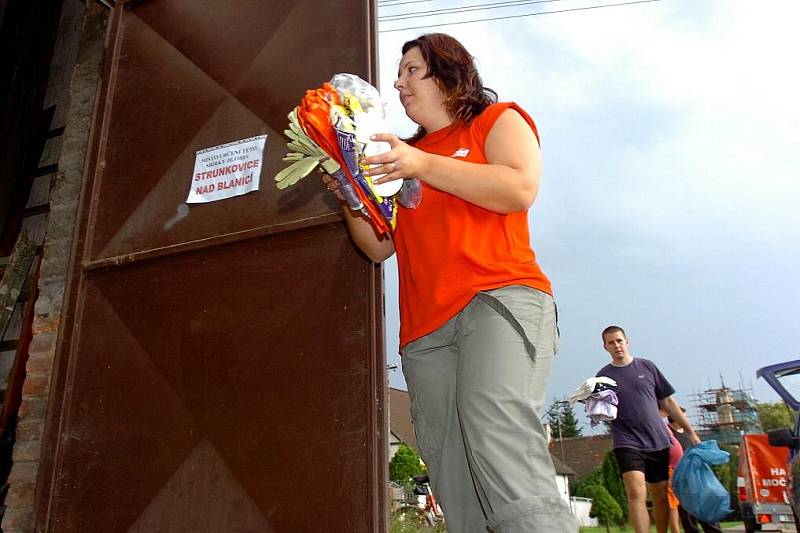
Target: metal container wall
(222, 371)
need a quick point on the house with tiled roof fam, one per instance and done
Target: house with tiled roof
(401, 430)
(581, 454)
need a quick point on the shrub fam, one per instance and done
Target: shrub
(604, 508)
(404, 465)
(612, 481)
(584, 488)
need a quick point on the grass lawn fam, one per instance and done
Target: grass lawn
(629, 529)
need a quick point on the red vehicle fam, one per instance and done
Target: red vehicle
(762, 481)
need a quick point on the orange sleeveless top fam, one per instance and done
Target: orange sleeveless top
(448, 249)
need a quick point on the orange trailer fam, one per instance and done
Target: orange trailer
(762, 482)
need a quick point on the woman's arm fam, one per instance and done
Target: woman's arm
(508, 182)
(361, 231)
(673, 409)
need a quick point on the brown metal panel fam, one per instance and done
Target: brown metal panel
(244, 363)
(226, 374)
(189, 75)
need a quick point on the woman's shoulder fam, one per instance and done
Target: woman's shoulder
(494, 110)
(488, 117)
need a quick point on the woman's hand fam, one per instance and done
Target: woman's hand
(361, 231)
(403, 161)
(508, 182)
(332, 184)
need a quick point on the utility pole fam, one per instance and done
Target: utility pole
(562, 405)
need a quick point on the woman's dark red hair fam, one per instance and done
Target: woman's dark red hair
(453, 69)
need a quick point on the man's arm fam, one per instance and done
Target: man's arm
(671, 407)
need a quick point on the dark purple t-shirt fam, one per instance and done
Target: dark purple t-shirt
(640, 384)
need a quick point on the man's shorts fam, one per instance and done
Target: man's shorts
(655, 465)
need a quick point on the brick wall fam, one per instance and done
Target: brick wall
(72, 87)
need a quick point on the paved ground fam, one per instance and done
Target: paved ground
(740, 529)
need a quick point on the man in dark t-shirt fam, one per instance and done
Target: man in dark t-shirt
(641, 441)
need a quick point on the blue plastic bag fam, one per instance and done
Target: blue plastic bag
(696, 486)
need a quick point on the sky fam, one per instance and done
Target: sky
(670, 193)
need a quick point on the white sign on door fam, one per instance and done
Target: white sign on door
(228, 170)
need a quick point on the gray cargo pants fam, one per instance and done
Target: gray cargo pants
(476, 386)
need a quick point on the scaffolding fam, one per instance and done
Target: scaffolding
(724, 414)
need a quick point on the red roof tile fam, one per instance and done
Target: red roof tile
(400, 417)
(582, 454)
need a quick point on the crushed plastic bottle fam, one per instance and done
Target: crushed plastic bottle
(410, 194)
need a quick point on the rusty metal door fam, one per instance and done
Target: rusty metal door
(221, 371)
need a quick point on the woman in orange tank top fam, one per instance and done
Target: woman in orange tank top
(477, 317)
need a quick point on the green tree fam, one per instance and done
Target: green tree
(404, 465)
(585, 487)
(563, 422)
(569, 423)
(604, 508)
(612, 481)
(553, 416)
(774, 415)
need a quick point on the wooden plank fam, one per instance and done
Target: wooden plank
(16, 377)
(13, 278)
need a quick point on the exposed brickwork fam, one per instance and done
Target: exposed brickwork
(27, 451)
(19, 501)
(17, 519)
(36, 384)
(43, 343)
(72, 87)
(30, 429)
(33, 406)
(39, 363)
(45, 324)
